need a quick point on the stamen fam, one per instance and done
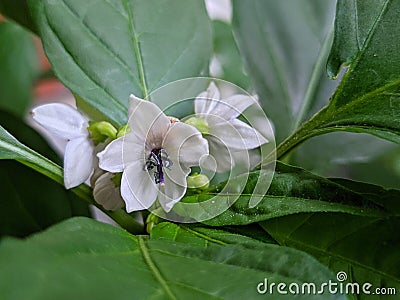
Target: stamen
(158, 159)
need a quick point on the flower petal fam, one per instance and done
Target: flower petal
(138, 188)
(148, 121)
(233, 106)
(78, 161)
(221, 154)
(174, 188)
(235, 134)
(121, 152)
(185, 144)
(106, 193)
(206, 101)
(61, 119)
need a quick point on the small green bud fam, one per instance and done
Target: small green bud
(200, 124)
(123, 130)
(101, 131)
(198, 181)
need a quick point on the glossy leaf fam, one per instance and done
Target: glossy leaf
(18, 68)
(92, 260)
(365, 248)
(204, 236)
(105, 50)
(281, 42)
(294, 190)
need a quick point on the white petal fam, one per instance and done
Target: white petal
(206, 101)
(147, 120)
(138, 188)
(185, 144)
(121, 152)
(78, 161)
(106, 193)
(221, 154)
(235, 134)
(174, 188)
(61, 119)
(233, 106)
(252, 138)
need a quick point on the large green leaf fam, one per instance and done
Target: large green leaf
(103, 50)
(367, 249)
(26, 206)
(294, 190)
(18, 68)
(368, 98)
(18, 11)
(204, 236)
(82, 258)
(281, 42)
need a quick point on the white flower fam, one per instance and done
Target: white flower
(67, 123)
(154, 157)
(228, 137)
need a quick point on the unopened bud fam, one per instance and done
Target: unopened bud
(199, 123)
(100, 131)
(198, 181)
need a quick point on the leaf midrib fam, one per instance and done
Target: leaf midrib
(153, 267)
(138, 52)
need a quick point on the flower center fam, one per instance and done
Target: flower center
(158, 159)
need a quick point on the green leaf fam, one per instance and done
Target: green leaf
(104, 50)
(92, 260)
(281, 42)
(18, 11)
(368, 97)
(18, 68)
(294, 190)
(227, 54)
(367, 249)
(204, 236)
(355, 21)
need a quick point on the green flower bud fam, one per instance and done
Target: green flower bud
(200, 124)
(123, 130)
(198, 181)
(101, 131)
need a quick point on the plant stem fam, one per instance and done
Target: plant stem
(316, 75)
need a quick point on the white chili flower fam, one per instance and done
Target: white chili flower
(67, 123)
(217, 120)
(154, 157)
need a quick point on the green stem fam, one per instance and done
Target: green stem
(318, 71)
